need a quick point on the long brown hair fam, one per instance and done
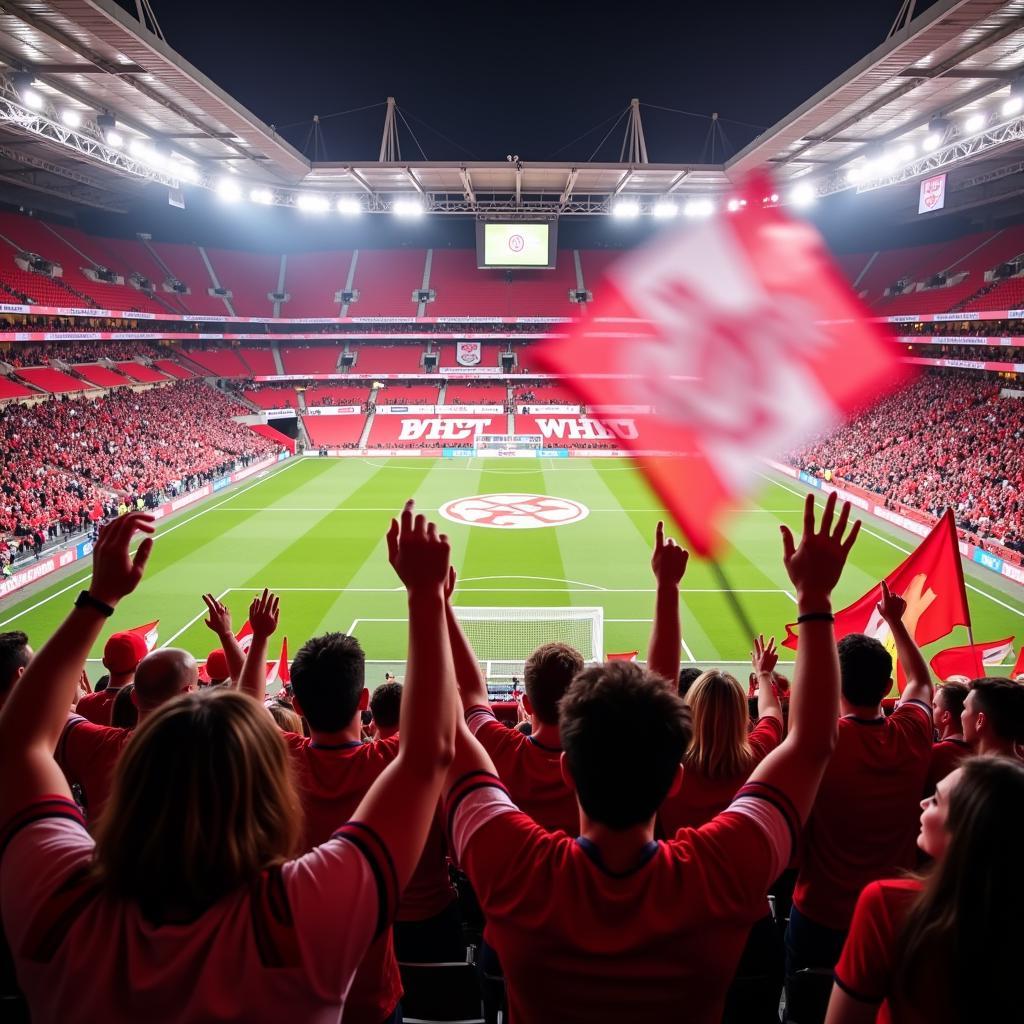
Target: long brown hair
(719, 747)
(963, 931)
(202, 802)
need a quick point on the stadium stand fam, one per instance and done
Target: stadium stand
(249, 276)
(11, 389)
(100, 375)
(270, 396)
(143, 374)
(312, 279)
(476, 394)
(408, 394)
(310, 358)
(407, 358)
(221, 362)
(329, 394)
(260, 361)
(185, 262)
(385, 280)
(53, 381)
(173, 369)
(489, 354)
(334, 431)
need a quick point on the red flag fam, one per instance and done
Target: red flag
(970, 660)
(244, 637)
(743, 336)
(930, 579)
(277, 671)
(625, 656)
(148, 632)
(1018, 669)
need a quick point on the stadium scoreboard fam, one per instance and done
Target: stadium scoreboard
(515, 246)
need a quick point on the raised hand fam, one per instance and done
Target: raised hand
(816, 565)
(263, 614)
(449, 584)
(115, 573)
(417, 552)
(219, 616)
(764, 657)
(668, 562)
(892, 606)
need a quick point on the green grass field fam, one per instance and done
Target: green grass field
(313, 530)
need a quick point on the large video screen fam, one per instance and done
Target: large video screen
(511, 246)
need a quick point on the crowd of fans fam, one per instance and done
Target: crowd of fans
(45, 352)
(70, 461)
(946, 441)
(638, 847)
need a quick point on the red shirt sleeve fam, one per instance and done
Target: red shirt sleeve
(765, 737)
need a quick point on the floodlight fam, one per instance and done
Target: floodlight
(733, 205)
(71, 118)
(1014, 105)
(698, 208)
(310, 202)
(25, 86)
(349, 207)
(803, 194)
(228, 190)
(407, 208)
(775, 197)
(183, 171)
(906, 152)
(856, 173)
(975, 123)
(263, 196)
(115, 139)
(32, 99)
(937, 129)
(932, 141)
(665, 209)
(626, 209)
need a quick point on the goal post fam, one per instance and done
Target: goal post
(503, 638)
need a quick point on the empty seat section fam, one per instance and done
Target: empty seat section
(931, 300)
(173, 369)
(595, 263)
(259, 360)
(414, 394)
(1008, 294)
(273, 397)
(249, 276)
(389, 358)
(186, 263)
(221, 362)
(312, 279)
(100, 375)
(463, 290)
(38, 288)
(328, 395)
(334, 430)
(133, 255)
(143, 374)
(385, 280)
(53, 381)
(12, 389)
(311, 358)
(476, 394)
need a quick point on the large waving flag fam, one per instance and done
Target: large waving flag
(743, 336)
(930, 579)
(149, 632)
(244, 637)
(970, 660)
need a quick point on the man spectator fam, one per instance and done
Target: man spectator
(993, 716)
(950, 748)
(865, 818)
(121, 656)
(385, 708)
(15, 654)
(87, 753)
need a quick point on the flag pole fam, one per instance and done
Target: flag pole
(730, 596)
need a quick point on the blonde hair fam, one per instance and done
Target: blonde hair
(719, 747)
(284, 717)
(202, 801)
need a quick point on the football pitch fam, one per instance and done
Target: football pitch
(313, 530)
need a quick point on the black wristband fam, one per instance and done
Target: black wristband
(86, 600)
(816, 617)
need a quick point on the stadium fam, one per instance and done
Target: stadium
(232, 349)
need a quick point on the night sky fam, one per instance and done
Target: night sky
(525, 78)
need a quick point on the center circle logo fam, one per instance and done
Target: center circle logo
(516, 243)
(513, 511)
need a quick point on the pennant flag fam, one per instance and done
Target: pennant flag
(1018, 669)
(148, 633)
(930, 579)
(244, 637)
(278, 671)
(970, 661)
(745, 339)
(625, 656)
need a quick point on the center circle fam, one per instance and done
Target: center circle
(513, 511)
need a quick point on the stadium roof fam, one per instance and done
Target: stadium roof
(162, 121)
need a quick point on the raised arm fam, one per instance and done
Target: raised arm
(37, 708)
(796, 766)
(919, 680)
(764, 658)
(668, 562)
(219, 621)
(263, 616)
(468, 677)
(400, 805)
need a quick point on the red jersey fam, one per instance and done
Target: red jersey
(699, 798)
(579, 943)
(865, 969)
(946, 755)
(332, 781)
(97, 707)
(864, 822)
(283, 948)
(531, 771)
(430, 889)
(88, 754)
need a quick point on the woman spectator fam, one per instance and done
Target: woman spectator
(945, 947)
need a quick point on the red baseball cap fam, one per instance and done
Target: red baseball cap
(217, 665)
(123, 652)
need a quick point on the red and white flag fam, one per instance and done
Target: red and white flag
(930, 579)
(1018, 669)
(148, 632)
(278, 671)
(969, 661)
(743, 336)
(244, 637)
(624, 656)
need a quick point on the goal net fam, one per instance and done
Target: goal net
(503, 638)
